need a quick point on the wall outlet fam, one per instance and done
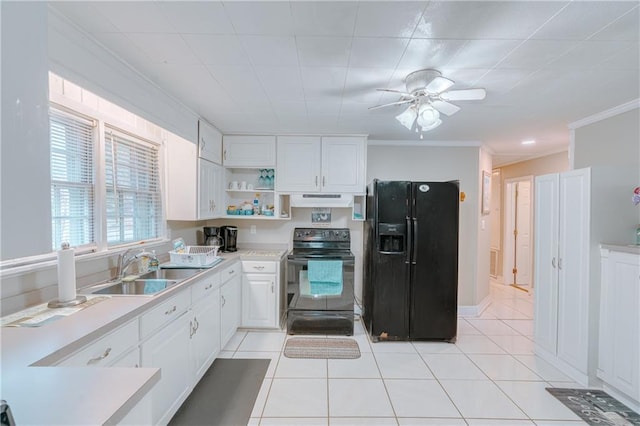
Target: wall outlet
(252, 229)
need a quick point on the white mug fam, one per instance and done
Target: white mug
(243, 186)
(233, 185)
(250, 187)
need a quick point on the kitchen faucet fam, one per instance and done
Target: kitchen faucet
(126, 259)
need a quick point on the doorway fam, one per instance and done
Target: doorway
(518, 253)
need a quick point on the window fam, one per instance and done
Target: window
(133, 199)
(72, 179)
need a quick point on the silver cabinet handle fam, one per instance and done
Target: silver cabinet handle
(191, 330)
(553, 262)
(224, 301)
(99, 358)
(204, 143)
(323, 181)
(196, 325)
(559, 263)
(224, 154)
(231, 272)
(209, 286)
(170, 311)
(272, 289)
(259, 268)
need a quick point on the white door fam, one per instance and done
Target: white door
(546, 272)
(523, 234)
(209, 190)
(573, 267)
(249, 151)
(209, 142)
(229, 309)
(258, 300)
(205, 331)
(343, 164)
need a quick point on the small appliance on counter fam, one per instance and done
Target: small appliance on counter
(229, 238)
(212, 236)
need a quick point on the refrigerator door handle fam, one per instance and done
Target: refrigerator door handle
(414, 231)
(409, 241)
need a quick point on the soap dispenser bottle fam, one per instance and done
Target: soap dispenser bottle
(153, 262)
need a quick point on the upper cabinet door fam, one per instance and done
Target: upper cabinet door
(343, 164)
(249, 151)
(209, 142)
(298, 164)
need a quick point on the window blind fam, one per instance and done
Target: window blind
(133, 199)
(72, 179)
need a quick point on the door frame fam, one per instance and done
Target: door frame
(507, 235)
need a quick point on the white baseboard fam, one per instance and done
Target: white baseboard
(474, 311)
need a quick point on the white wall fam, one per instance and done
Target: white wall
(438, 163)
(483, 247)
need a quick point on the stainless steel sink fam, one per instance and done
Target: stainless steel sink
(137, 287)
(170, 274)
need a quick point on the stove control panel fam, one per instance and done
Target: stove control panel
(321, 234)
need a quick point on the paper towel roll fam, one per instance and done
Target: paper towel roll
(66, 274)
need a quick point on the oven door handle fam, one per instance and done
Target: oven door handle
(349, 262)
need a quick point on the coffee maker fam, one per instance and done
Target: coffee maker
(212, 236)
(229, 237)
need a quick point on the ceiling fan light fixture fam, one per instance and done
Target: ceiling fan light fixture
(428, 116)
(407, 117)
(431, 126)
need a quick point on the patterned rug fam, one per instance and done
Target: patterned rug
(321, 348)
(596, 407)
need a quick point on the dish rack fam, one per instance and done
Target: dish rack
(194, 255)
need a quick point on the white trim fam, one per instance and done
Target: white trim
(572, 149)
(628, 106)
(474, 311)
(423, 143)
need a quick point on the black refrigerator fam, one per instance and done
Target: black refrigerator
(410, 279)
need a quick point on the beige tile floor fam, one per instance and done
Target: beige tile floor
(490, 376)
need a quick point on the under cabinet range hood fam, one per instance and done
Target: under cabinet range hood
(321, 200)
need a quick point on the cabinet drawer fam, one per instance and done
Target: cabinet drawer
(253, 267)
(230, 271)
(107, 349)
(204, 287)
(164, 313)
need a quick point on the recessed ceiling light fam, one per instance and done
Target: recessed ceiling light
(528, 142)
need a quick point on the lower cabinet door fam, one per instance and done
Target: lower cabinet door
(205, 334)
(229, 309)
(259, 300)
(170, 350)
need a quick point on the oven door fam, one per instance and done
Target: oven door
(303, 296)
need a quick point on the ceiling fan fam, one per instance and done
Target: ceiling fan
(427, 97)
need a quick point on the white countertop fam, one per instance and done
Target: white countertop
(39, 393)
(625, 248)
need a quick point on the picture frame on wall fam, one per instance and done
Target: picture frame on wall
(486, 192)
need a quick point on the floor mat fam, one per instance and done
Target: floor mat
(321, 348)
(225, 395)
(596, 407)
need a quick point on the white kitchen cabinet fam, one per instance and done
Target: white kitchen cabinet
(194, 185)
(619, 345)
(561, 270)
(249, 151)
(230, 296)
(210, 184)
(332, 164)
(209, 142)
(205, 323)
(261, 294)
(170, 350)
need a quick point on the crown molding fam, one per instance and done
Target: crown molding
(628, 106)
(424, 143)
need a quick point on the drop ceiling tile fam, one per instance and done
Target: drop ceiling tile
(360, 109)
(482, 53)
(533, 54)
(324, 51)
(499, 81)
(204, 17)
(321, 107)
(624, 59)
(241, 82)
(324, 18)
(85, 15)
(485, 20)
(281, 83)
(135, 17)
(587, 54)
(323, 82)
(625, 28)
(260, 18)
(284, 108)
(361, 84)
(580, 20)
(429, 53)
(271, 50)
(163, 47)
(377, 52)
(217, 49)
(120, 45)
(388, 19)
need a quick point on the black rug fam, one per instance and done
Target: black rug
(596, 407)
(225, 395)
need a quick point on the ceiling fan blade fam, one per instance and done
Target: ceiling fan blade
(406, 101)
(464, 95)
(439, 85)
(408, 95)
(445, 107)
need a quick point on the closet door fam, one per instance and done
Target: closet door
(546, 262)
(573, 268)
